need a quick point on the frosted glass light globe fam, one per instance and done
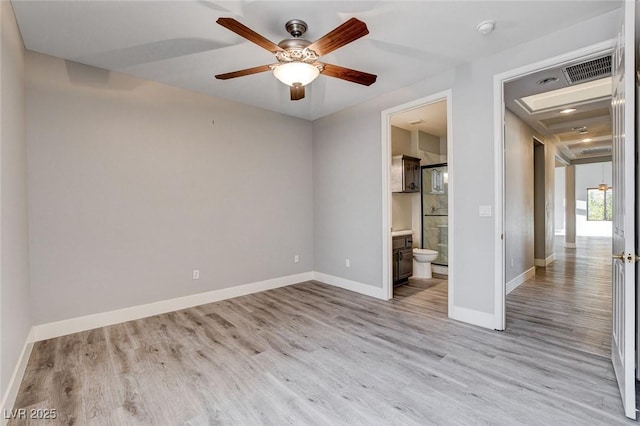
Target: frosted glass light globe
(296, 72)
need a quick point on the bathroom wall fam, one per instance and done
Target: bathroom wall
(431, 149)
(400, 141)
(401, 203)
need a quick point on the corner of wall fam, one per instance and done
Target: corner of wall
(9, 396)
(15, 288)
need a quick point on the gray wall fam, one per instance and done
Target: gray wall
(15, 309)
(550, 198)
(519, 196)
(131, 187)
(559, 205)
(348, 170)
(539, 201)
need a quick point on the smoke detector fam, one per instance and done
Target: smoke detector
(485, 27)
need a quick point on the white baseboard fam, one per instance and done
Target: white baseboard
(9, 397)
(346, 284)
(514, 283)
(75, 325)
(545, 262)
(470, 316)
(570, 245)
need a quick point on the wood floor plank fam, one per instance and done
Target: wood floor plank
(315, 354)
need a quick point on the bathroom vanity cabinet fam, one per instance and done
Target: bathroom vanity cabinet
(405, 174)
(402, 258)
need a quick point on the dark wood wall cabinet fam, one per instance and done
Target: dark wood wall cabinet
(405, 174)
(402, 259)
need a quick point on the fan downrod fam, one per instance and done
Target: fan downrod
(296, 27)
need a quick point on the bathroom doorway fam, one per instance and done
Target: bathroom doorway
(416, 144)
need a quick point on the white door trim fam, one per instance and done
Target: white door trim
(498, 126)
(387, 280)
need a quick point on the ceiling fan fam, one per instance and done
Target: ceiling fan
(297, 58)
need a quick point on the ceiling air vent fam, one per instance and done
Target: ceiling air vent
(596, 150)
(587, 71)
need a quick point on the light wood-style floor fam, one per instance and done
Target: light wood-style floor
(315, 354)
(569, 301)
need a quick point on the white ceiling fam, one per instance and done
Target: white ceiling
(179, 42)
(432, 119)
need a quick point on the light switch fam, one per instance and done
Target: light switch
(484, 211)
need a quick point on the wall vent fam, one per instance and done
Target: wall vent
(589, 70)
(596, 150)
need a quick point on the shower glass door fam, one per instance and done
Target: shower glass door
(435, 211)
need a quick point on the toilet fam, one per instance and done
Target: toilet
(422, 259)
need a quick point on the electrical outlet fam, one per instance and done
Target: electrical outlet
(484, 211)
(347, 263)
(512, 262)
(196, 274)
(296, 258)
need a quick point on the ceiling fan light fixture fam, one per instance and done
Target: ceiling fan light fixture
(296, 72)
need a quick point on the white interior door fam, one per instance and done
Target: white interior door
(624, 257)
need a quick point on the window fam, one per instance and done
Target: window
(599, 204)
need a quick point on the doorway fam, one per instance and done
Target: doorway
(556, 111)
(424, 145)
(621, 87)
(513, 103)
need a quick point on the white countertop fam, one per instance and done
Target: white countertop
(401, 233)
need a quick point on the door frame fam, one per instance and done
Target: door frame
(387, 281)
(499, 118)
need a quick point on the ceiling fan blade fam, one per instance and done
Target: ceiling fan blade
(249, 34)
(297, 91)
(351, 30)
(241, 73)
(348, 74)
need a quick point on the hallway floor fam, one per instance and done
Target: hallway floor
(568, 303)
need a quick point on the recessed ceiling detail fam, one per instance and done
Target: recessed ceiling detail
(584, 134)
(589, 70)
(567, 95)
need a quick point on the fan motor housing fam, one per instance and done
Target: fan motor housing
(294, 43)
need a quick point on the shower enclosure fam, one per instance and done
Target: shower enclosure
(435, 211)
